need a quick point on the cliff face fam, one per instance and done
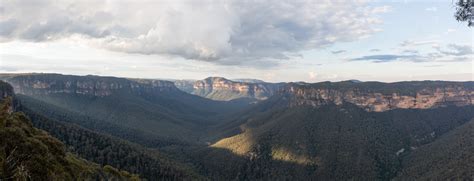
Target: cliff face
(405, 95)
(219, 88)
(6, 90)
(185, 85)
(44, 84)
(372, 96)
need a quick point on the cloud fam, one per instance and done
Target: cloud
(432, 9)
(411, 51)
(451, 53)
(8, 26)
(312, 75)
(338, 51)
(270, 75)
(456, 50)
(9, 68)
(408, 43)
(226, 32)
(384, 58)
(381, 9)
(436, 65)
(374, 50)
(450, 30)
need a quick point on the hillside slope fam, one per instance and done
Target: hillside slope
(451, 157)
(340, 142)
(134, 109)
(319, 132)
(27, 153)
(324, 131)
(109, 150)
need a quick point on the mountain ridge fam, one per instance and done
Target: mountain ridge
(376, 96)
(220, 88)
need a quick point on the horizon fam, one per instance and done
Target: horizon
(231, 79)
(386, 41)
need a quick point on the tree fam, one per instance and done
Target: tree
(465, 11)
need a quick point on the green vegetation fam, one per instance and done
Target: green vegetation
(450, 157)
(108, 126)
(27, 153)
(334, 142)
(152, 117)
(107, 150)
(161, 134)
(465, 11)
(221, 94)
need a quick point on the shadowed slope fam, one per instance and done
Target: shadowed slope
(451, 157)
(146, 109)
(27, 153)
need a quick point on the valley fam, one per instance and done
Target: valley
(221, 129)
(28, 153)
(229, 90)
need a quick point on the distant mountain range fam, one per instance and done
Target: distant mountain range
(221, 129)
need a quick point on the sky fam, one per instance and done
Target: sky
(271, 40)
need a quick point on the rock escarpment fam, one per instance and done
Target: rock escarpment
(6, 90)
(219, 88)
(372, 96)
(185, 85)
(376, 96)
(7, 94)
(44, 84)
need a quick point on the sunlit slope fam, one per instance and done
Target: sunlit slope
(339, 141)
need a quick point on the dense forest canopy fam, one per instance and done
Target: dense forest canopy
(271, 139)
(28, 153)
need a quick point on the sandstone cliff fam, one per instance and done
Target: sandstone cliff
(6, 90)
(372, 96)
(376, 96)
(185, 85)
(219, 88)
(43, 84)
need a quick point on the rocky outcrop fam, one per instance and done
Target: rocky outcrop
(375, 96)
(6, 90)
(248, 80)
(44, 84)
(7, 94)
(219, 88)
(372, 96)
(185, 85)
